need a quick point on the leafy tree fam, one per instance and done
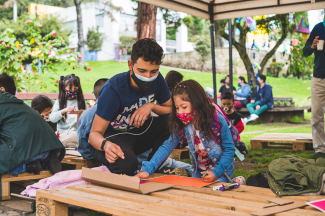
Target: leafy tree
(195, 26)
(95, 39)
(20, 29)
(203, 47)
(37, 48)
(282, 23)
(300, 66)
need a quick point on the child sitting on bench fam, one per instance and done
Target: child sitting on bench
(206, 131)
(70, 99)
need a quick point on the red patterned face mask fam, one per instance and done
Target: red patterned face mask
(186, 118)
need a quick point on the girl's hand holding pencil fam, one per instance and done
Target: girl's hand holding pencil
(208, 176)
(142, 175)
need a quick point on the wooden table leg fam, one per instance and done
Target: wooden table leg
(5, 189)
(48, 207)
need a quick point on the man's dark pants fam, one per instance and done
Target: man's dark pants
(152, 135)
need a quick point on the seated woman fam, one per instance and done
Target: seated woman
(242, 95)
(262, 100)
(27, 142)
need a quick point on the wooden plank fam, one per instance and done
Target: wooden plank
(42, 174)
(221, 202)
(280, 201)
(52, 96)
(278, 209)
(5, 190)
(101, 203)
(244, 5)
(153, 201)
(47, 207)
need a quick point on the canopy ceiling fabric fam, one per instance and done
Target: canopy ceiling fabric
(227, 9)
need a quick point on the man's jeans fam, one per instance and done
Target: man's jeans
(251, 108)
(317, 113)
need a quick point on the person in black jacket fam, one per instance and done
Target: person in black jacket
(262, 100)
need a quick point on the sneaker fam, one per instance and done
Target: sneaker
(176, 171)
(319, 154)
(253, 117)
(34, 167)
(244, 120)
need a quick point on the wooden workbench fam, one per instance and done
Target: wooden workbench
(179, 200)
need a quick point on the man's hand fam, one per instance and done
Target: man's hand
(112, 152)
(315, 42)
(142, 175)
(139, 116)
(209, 177)
(252, 101)
(258, 107)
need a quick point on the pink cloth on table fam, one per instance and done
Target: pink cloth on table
(61, 179)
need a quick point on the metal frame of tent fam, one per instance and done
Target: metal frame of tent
(228, 9)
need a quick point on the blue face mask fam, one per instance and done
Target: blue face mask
(145, 79)
(324, 23)
(239, 85)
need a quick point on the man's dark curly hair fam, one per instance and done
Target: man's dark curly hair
(148, 49)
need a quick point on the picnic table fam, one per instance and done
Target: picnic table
(178, 200)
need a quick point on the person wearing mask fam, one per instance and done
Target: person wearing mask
(242, 95)
(315, 45)
(226, 87)
(123, 126)
(262, 101)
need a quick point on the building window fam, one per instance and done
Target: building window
(100, 20)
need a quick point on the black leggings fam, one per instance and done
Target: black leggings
(152, 135)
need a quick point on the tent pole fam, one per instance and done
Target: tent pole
(230, 55)
(213, 53)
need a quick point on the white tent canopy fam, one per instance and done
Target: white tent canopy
(227, 9)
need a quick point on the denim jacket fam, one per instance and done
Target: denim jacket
(222, 155)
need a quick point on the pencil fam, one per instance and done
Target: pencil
(205, 174)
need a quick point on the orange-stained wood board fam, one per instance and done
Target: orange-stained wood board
(180, 180)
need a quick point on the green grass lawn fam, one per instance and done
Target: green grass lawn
(282, 87)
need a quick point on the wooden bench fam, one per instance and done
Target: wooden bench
(5, 180)
(179, 200)
(52, 96)
(79, 162)
(283, 141)
(277, 113)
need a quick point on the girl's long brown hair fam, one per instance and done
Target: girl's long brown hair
(192, 91)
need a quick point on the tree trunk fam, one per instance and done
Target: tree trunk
(64, 2)
(279, 42)
(81, 40)
(219, 42)
(146, 21)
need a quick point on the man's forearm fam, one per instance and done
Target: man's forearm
(161, 110)
(96, 139)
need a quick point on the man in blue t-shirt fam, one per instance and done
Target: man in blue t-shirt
(123, 127)
(317, 87)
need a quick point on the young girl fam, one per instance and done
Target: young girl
(210, 141)
(43, 105)
(70, 99)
